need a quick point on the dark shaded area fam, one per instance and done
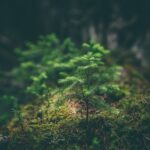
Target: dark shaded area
(123, 25)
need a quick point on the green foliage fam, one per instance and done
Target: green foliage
(81, 100)
(92, 77)
(40, 65)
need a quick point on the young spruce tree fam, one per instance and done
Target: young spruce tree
(92, 80)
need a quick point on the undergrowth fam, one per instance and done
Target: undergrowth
(75, 98)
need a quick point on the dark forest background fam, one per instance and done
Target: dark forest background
(117, 24)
